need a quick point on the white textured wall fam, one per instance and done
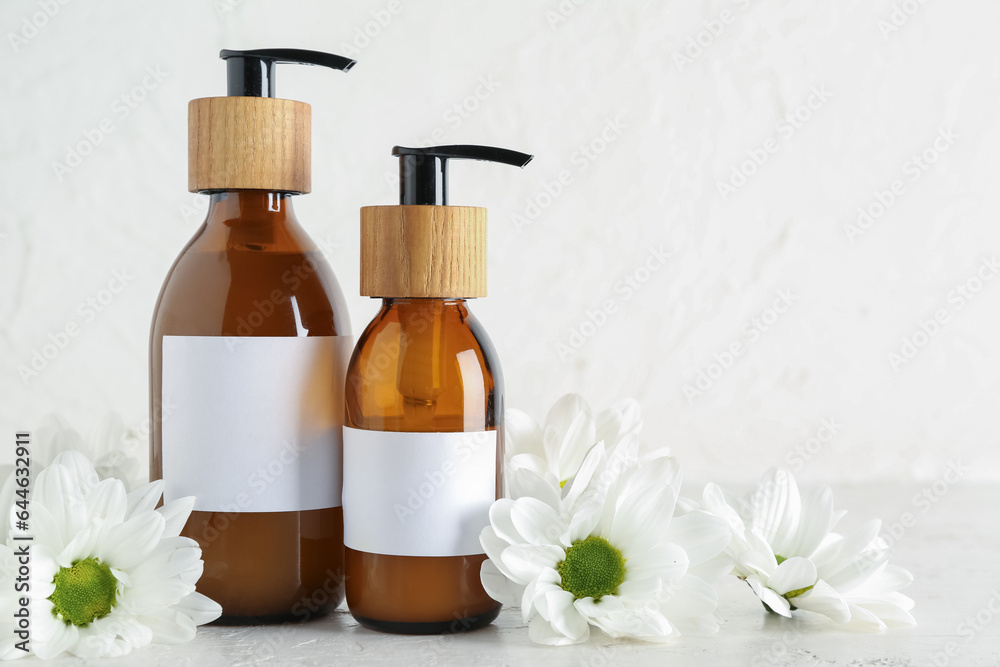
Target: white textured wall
(874, 83)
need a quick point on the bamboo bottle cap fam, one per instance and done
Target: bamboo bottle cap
(251, 143)
(424, 248)
(252, 139)
(423, 251)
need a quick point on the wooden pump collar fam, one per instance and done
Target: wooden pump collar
(423, 251)
(249, 143)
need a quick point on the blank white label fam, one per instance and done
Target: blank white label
(418, 494)
(254, 424)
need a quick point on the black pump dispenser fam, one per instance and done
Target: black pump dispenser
(423, 172)
(251, 73)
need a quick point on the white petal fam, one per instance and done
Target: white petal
(757, 558)
(689, 604)
(46, 529)
(838, 552)
(127, 544)
(176, 514)
(713, 570)
(666, 561)
(892, 615)
(568, 435)
(791, 575)
(526, 482)
(152, 597)
(622, 418)
(852, 567)
(647, 585)
(534, 596)
(80, 468)
(773, 509)
(607, 605)
(540, 631)
(521, 435)
(563, 616)
(646, 505)
(722, 504)
(775, 602)
(144, 498)
(823, 599)
(702, 535)
(815, 523)
(646, 624)
(170, 627)
(498, 586)
(494, 548)
(58, 491)
(864, 620)
(889, 580)
(81, 546)
(583, 480)
(53, 638)
(501, 521)
(584, 519)
(525, 562)
(111, 636)
(95, 644)
(536, 521)
(9, 650)
(200, 608)
(107, 501)
(172, 557)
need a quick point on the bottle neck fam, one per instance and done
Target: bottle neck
(240, 206)
(427, 327)
(411, 309)
(252, 219)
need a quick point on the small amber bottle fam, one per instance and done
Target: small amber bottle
(423, 442)
(248, 352)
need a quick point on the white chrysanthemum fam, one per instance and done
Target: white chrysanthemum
(556, 450)
(109, 571)
(607, 552)
(784, 547)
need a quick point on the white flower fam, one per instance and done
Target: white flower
(785, 548)
(606, 552)
(556, 450)
(109, 572)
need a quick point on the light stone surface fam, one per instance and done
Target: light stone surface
(547, 82)
(951, 548)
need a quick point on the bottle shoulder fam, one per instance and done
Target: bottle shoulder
(421, 336)
(242, 291)
(425, 365)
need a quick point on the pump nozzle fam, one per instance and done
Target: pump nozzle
(251, 73)
(423, 172)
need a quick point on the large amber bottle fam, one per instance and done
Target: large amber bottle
(249, 346)
(423, 442)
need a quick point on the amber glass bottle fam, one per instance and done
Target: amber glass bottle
(423, 441)
(423, 365)
(248, 351)
(251, 271)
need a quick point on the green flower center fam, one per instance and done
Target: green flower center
(592, 569)
(84, 592)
